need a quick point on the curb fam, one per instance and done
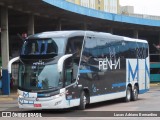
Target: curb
(5, 99)
(154, 84)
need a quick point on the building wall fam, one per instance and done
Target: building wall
(103, 5)
(77, 2)
(126, 10)
(99, 5)
(74, 1)
(92, 4)
(111, 6)
(84, 3)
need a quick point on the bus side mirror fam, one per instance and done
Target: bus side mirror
(10, 63)
(61, 62)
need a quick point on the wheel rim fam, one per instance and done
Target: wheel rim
(135, 93)
(84, 100)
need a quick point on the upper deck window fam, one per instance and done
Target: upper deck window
(37, 47)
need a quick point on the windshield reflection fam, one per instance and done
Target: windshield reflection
(39, 77)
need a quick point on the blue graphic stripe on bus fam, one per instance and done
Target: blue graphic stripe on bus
(100, 95)
(137, 67)
(108, 93)
(133, 73)
(119, 84)
(145, 76)
(85, 71)
(143, 91)
(147, 69)
(147, 72)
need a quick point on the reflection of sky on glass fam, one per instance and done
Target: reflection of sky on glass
(50, 73)
(60, 43)
(91, 43)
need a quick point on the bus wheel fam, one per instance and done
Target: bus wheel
(83, 101)
(128, 94)
(135, 93)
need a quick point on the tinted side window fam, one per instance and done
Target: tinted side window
(90, 47)
(131, 49)
(122, 49)
(101, 47)
(74, 45)
(90, 54)
(146, 49)
(142, 50)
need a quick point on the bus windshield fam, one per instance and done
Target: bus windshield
(39, 77)
(43, 46)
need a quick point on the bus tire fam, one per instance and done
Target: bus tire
(135, 93)
(128, 94)
(83, 101)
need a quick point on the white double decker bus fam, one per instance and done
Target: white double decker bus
(63, 69)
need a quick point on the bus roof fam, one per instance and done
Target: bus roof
(135, 40)
(72, 33)
(51, 34)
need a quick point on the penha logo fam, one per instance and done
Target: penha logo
(109, 64)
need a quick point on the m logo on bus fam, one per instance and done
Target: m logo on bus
(132, 73)
(109, 64)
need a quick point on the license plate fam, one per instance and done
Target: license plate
(37, 105)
